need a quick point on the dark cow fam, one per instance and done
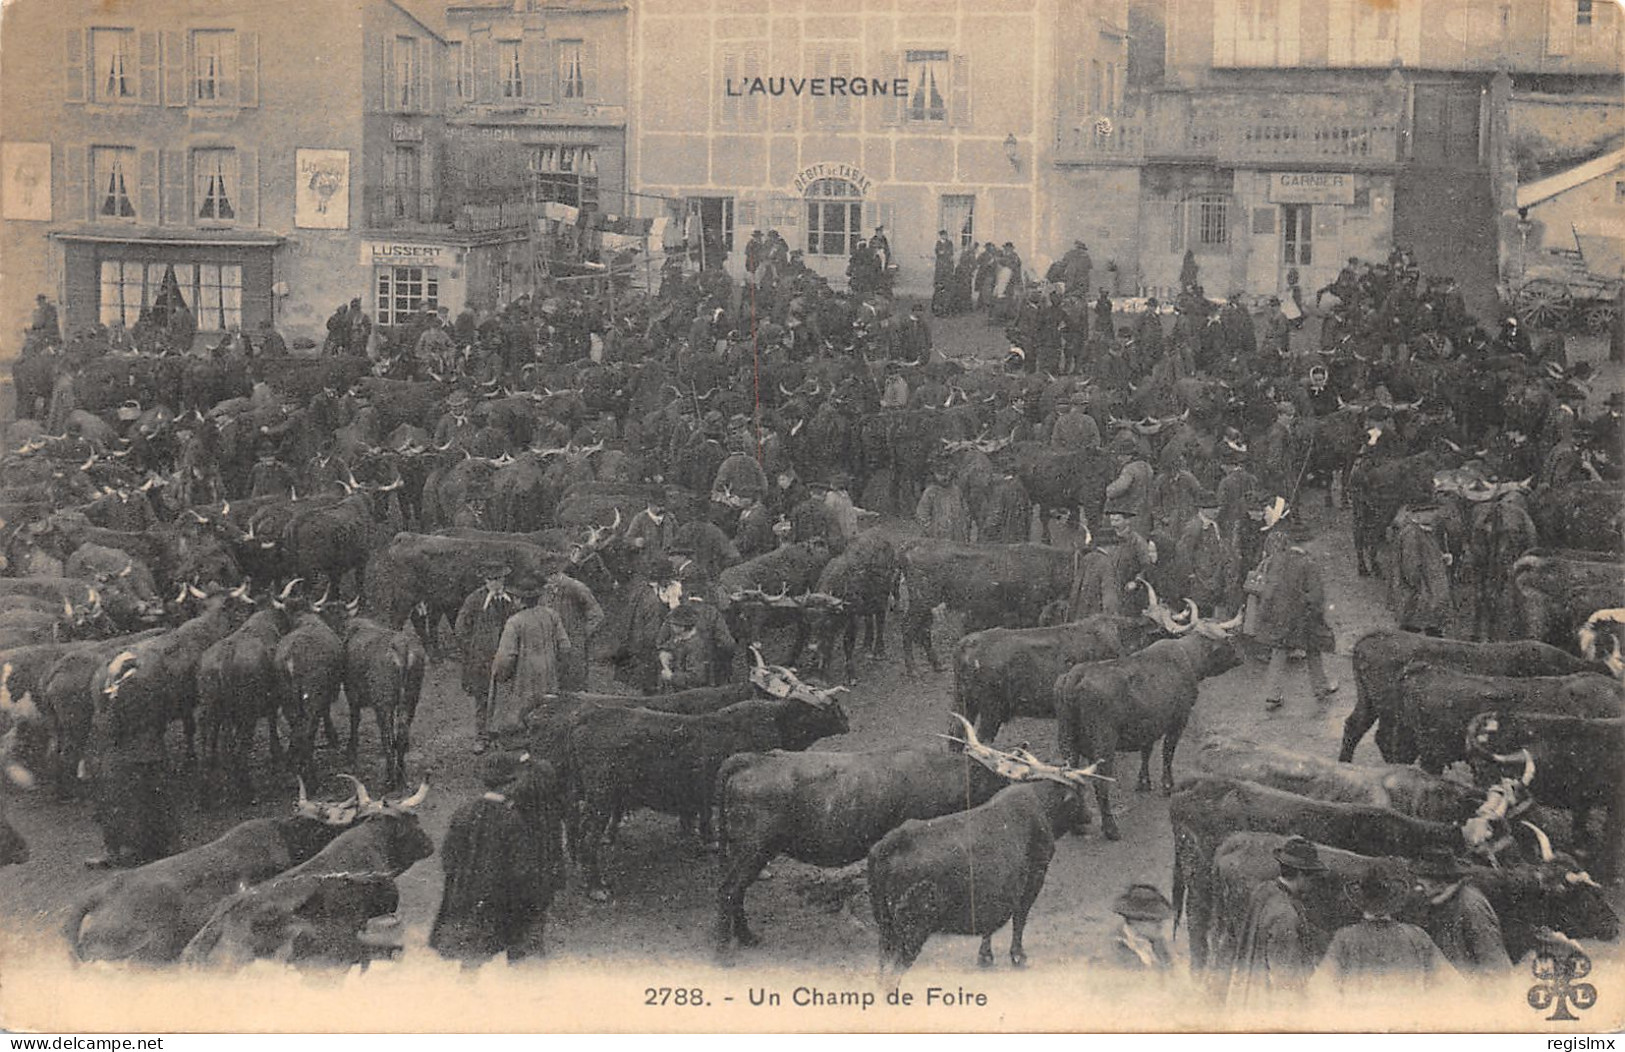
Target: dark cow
(788, 571)
(1527, 897)
(1502, 530)
(1130, 703)
(299, 380)
(990, 584)
(1437, 703)
(1407, 790)
(626, 758)
(383, 671)
(1379, 489)
(862, 578)
(827, 809)
(1380, 656)
(1584, 515)
(326, 543)
(1204, 811)
(310, 671)
(150, 914)
(1064, 480)
(1555, 592)
(971, 872)
(1577, 766)
(1001, 674)
(176, 555)
(315, 913)
(238, 685)
(440, 572)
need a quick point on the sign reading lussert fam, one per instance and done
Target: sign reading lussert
(399, 253)
(1311, 188)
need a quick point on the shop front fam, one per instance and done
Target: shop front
(480, 273)
(225, 281)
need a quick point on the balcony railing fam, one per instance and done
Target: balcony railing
(1353, 141)
(389, 208)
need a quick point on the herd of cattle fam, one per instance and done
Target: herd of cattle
(180, 550)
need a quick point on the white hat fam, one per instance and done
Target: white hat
(1274, 513)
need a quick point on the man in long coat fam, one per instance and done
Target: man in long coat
(496, 890)
(942, 276)
(1292, 616)
(581, 616)
(941, 511)
(1130, 492)
(529, 656)
(1372, 956)
(1209, 559)
(1280, 944)
(1421, 585)
(695, 648)
(478, 628)
(1460, 920)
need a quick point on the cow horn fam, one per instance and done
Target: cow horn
(756, 652)
(970, 731)
(1540, 837)
(415, 799)
(196, 517)
(617, 523)
(364, 800)
(180, 597)
(288, 588)
(1233, 623)
(196, 592)
(318, 604)
(304, 798)
(782, 390)
(1582, 878)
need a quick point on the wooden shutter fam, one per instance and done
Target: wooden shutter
(248, 69)
(146, 198)
(1326, 221)
(434, 77)
(420, 75)
(75, 182)
(843, 65)
(485, 61)
(470, 91)
(248, 188)
(147, 56)
(226, 90)
(76, 73)
(391, 93)
(1410, 33)
(1224, 32)
(589, 70)
(177, 92)
(822, 60)
(1340, 29)
(751, 66)
(175, 185)
(1286, 34)
(1080, 89)
(538, 71)
(1560, 17)
(372, 95)
(959, 101)
(452, 65)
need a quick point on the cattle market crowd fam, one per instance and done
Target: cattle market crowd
(659, 534)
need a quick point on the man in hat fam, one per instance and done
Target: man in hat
(1074, 428)
(434, 350)
(1130, 492)
(1292, 611)
(478, 627)
(651, 533)
(694, 647)
(1279, 945)
(497, 886)
(530, 655)
(942, 274)
(1210, 559)
(43, 323)
(1460, 920)
(269, 343)
(1421, 584)
(1148, 339)
(1512, 339)
(456, 428)
(1077, 269)
(581, 616)
(1141, 943)
(1376, 953)
(941, 511)
(914, 343)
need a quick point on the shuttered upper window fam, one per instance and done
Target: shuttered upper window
(113, 59)
(113, 168)
(214, 67)
(928, 79)
(214, 185)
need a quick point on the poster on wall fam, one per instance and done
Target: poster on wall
(321, 196)
(27, 175)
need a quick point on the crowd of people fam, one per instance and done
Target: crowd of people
(1204, 508)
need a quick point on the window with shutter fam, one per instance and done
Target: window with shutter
(510, 70)
(572, 77)
(114, 174)
(214, 185)
(248, 69)
(928, 85)
(960, 100)
(456, 85)
(214, 74)
(115, 76)
(407, 94)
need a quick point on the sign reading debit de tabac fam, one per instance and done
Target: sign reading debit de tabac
(403, 253)
(1312, 188)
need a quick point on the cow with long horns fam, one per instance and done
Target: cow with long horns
(1130, 703)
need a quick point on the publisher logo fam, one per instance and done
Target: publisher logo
(1558, 971)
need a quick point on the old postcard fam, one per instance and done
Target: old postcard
(812, 515)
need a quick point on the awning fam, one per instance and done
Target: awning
(180, 237)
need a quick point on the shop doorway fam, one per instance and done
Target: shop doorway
(711, 238)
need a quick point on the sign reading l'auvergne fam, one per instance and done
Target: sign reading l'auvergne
(819, 87)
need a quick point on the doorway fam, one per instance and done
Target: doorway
(1444, 126)
(716, 230)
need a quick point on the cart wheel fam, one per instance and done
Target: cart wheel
(1543, 305)
(1599, 319)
